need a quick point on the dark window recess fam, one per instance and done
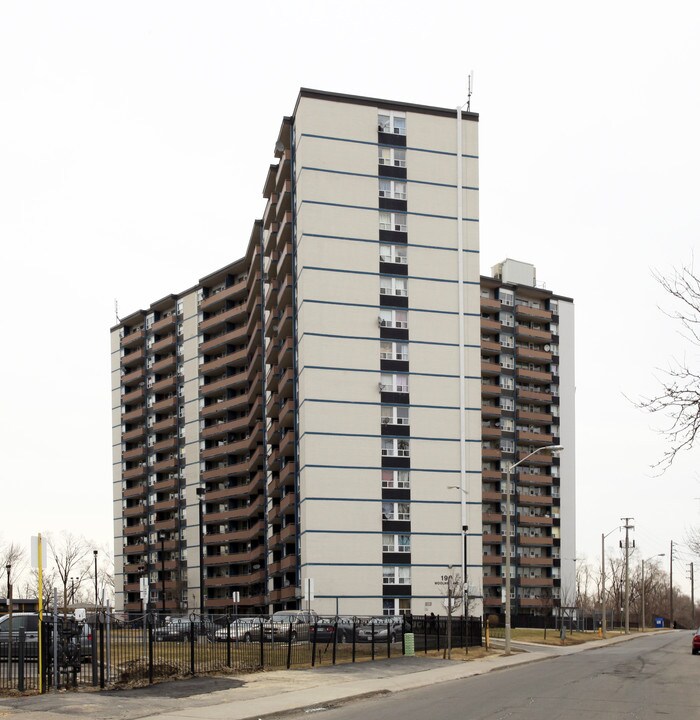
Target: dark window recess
(391, 204)
(396, 558)
(397, 526)
(396, 430)
(393, 268)
(392, 171)
(394, 590)
(392, 139)
(394, 365)
(396, 494)
(393, 333)
(398, 301)
(393, 236)
(394, 398)
(395, 462)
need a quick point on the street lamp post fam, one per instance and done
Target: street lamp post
(644, 619)
(8, 569)
(161, 537)
(465, 529)
(602, 578)
(200, 498)
(550, 448)
(97, 600)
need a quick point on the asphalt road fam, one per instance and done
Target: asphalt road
(649, 677)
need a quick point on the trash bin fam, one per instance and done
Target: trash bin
(409, 644)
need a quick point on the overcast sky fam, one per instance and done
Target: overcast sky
(134, 139)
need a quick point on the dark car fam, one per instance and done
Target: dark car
(286, 622)
(323, 630)
(178, 630)
(29, 622)
(696, 642)
(380, 629)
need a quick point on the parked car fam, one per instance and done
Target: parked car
(178, 629)
(696, 642)
(243, 629)
(29, 622)
(284, 622)
(323, 630)
(380, 627)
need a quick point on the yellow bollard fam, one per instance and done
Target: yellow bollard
(488, 635)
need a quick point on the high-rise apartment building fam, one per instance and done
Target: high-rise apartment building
(313, 410)
(527, 356)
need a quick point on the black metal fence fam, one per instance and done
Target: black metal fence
(104, 651)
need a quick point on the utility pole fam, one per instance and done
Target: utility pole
(692, 593)
(627, 527)
(671, 586)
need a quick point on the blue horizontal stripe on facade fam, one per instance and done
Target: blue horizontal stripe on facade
(377, 177)
(388, 532)
(379, 339)
(381, 242)
(386, 437)
(363, 402)
(381, 307)
(380, 500)
(378, 210)
(378, 144)
(378, 274)
(408, 372)
(379, 467)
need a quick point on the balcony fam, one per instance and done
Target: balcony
(136, 491)
(490, 368)
(134, 530)
(245, 489)
(535, 376)
(527, 333)
(167, 383)
(222, 406)
(232, 448)
(235, 535)
(165, 505)
(490, 411)
(167, 485)
(491, 517)
(539, 356)
(534, 520)
(535, 417)
(163, 344)
(490, 433)
(135, 414)
(491, 474)
(534, 500)
(132, 338)
(535, 582)
(527, 313)
(136, 549)
(223, 428)
(490, 453)
(540, 398)
(162, 366)
(138, 510)
(217, 364)
(217, 299)
(169, 403)
(529, 479)
(286, 416)
(165, 323)
(235, 337)
(135, 356)
(493, 560)
(535, 561)
(491, 496)
(239, 468)
(284, 594)
(256, 554)
(535, 438)
(132, 396)
(133, 473)
(492, 581)
(490, 348)
(169, 423)
(535, 602)
(232, 315)
(490, 304)
(285, 565)
(490, 390)
(166, 465)
(165, 445)
(167, 525)
(492, 539)
(135, 454)
(527, 541)
(230, 382)
(490, 326)
(132, 377)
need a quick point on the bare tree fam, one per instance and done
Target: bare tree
(452, 589)
(15, 555)
(678, 398)
(70, 556)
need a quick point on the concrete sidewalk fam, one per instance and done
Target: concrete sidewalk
(278, 693)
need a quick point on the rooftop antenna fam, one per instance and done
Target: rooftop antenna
(116, 309)
(469, 93)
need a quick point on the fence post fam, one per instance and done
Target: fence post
(192, 626)
(102, 656)
(335, 639)
(108, 617)
(438, 634)
(313, 644)
(425, 634)
(372, 621)
(388, 638)
(20, 661)
(228, 642)
(289, 647)
(262, 647)
(353, 639)
(54, 637)
(403, 635)
(150, 650)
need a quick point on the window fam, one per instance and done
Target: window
(394, 415)
(505, 296)
(393, 318)
(393, 254)
(507, 424)
(396, 575)
(507, 445)
(389, 350)
(507, 361)
(506, 319)
(392, 221)
(396, 511)
(506, 340)
(393, 382)
(506, 403)
(506, 382)
(396, 543)
(395, 157)
(393, 189)
(392, 121)
(395, 447)
(554, 307)
(396, 479)
(393, 286)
